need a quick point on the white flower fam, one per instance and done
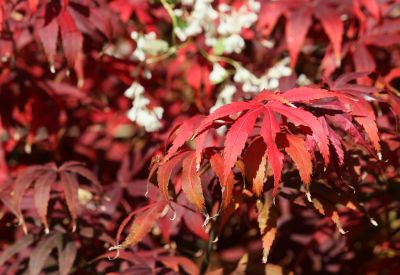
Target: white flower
(143, 116)
(187, 2)
(303, 80)
(218, 74)
(147, 44)
(242, 75)
(233, 43)
(178, 12)
(224, 8)
(234, 22)
(135, 90)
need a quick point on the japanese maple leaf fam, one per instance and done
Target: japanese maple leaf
(272, 108)
(41, 177)
(361, 109)
(144, 220)
(299, 15)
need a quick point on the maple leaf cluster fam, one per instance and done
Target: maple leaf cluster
(199, 136)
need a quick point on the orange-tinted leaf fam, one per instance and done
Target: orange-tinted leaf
(200, 142)
(182, 134)
(371, 129)
(258, 181)
(267, 217)
(164, 173)
(191, 183)
(255, 161)
(174, 262)
(297, 150)
(142, 224)
(302, 117)
(217, 164)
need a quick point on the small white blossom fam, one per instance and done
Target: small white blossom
(224, 8)
(178, 12)
(147, 44)
(135, 90)
(218, 74)
(303, 80)
(233, 43)
(140, 113)
(269, 80)
(187, 2)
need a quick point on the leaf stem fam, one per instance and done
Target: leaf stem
(170, 12)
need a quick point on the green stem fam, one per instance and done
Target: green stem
(171, 14)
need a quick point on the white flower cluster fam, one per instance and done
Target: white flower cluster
(222, 27)
(147, 44)
(269, 80)
(140, 113)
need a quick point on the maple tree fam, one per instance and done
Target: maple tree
(199, 136)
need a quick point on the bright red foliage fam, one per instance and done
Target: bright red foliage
(194, 137)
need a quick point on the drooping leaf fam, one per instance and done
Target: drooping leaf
(41, 253)
(175, 262)
(164, 173)
(333, 27)
(70, 187)
(66, 258)
(297, 150)
(42, 195)
(371, 129)
(49, 36)
(79, 169)
(268, 131)
(23, 182)
(296, 30)
(255, 162)
(200, 142)
(301, 117)
(72, 39)
(236, 138)
(191, 183)
(142, 224)
(334, 140)
(267, 218)
(15, 248)
(182, 134)
(217, 164)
